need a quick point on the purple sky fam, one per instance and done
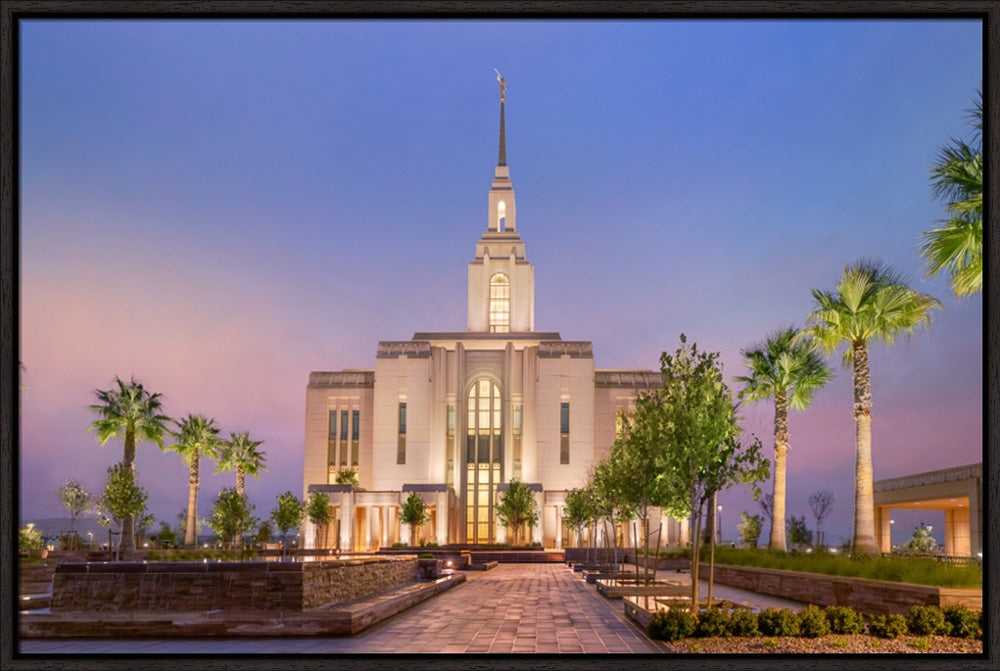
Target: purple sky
(219, 208)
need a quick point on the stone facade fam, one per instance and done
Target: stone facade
(231, 586)
(465, 412)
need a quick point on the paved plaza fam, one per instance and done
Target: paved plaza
(513, 608)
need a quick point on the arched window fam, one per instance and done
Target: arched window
(483, 458)
(499, 304)
(501, 215)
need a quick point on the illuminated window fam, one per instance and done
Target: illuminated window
(564, 433)
(499, 304)
(501, 216)
(401, 442)
(484, 459)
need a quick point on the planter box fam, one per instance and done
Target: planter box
(598, 574)
(871, 597)
(661, 563)
(616, 589)
(227, 586)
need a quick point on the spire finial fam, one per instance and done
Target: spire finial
(502, 158)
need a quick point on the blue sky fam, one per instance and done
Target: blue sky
(221, 207)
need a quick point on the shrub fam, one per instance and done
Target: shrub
(425, 555)
(743, 623)
(672, 625)
(964, 622)
(812, 622)
(843, 620)
(399, 545)
(887, 626)
(927, 620)
(778, 622)
(713, 622)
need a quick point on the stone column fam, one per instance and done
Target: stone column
(441, 523)
(347, 521)
(975, 517)
(538, 531)
(559, 527)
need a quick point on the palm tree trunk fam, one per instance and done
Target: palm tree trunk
(240, 489)
(127, 540)
(190, 529)
(777, 541)
(864, 478)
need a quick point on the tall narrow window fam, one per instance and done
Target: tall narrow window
(331, 446)
(499, 304)
(564, 433)
(484, 459)
(355, 432)
(401, 442)
(518, 428)
(344, 435)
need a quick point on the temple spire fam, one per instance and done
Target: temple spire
(502, 157)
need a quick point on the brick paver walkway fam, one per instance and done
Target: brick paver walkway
(513, 608)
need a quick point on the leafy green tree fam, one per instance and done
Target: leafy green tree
(414, 513)
(922, 541)
(517, 508)
(29, 537)
(288, 514)
(232, 516)
(123, 501)
(320, 514)
(695, 416)
(614, 500)
(165, 535)
(870, 302)
(77, 501)
(799, 535)
(581, 510)
(347, 478)
(197, 436)
(133, 414)
(749, 528)
(789, 370)
(264, 533)
(956, 248)
(240, 454)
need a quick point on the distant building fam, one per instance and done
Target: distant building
(956, 491)
(455, 416)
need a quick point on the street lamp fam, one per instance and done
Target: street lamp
(720, 522)
(91, 534)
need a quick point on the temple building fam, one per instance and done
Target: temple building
(456, 415)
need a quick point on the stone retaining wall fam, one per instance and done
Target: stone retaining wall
(872, 597)
(203, 586)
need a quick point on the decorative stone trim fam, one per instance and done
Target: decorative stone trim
(414, 349)
(575, 349)
(973, 471)
(363, 378)
(628, 379)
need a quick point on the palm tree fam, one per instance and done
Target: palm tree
(240, 454)
(789, 371)
(131, 413)
(956, 248)
(871, 302)
(196, 437)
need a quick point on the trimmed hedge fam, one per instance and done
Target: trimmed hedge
(813, 622)
(844, 620)
(887, 626)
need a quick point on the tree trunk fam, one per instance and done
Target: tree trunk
(127, 539)
(695, 547)
(711, 555)
(240, 489)
(191, 527)
(777, 541)
(864, 478)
